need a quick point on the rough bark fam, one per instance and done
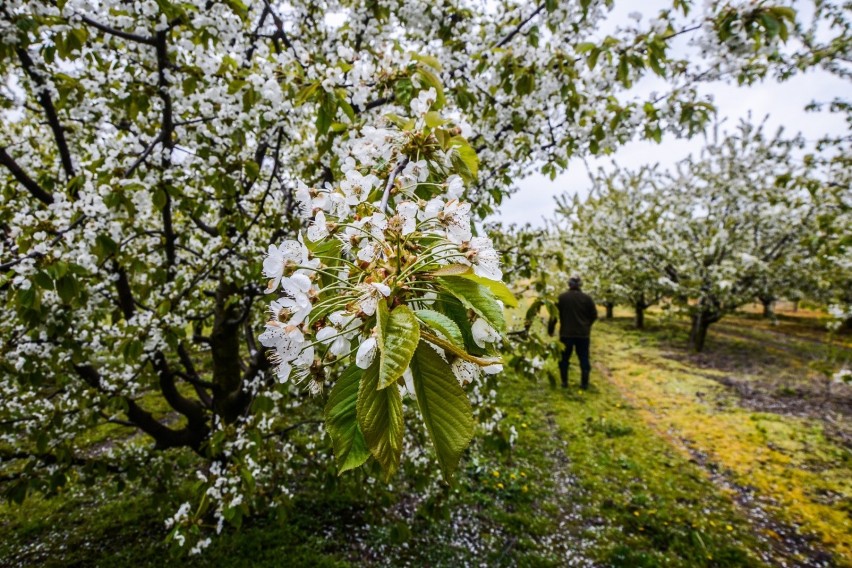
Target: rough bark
(229, 399)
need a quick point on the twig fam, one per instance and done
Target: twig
(386, 195)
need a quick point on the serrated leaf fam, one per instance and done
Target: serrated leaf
(398, 336)
(380, 419)
(477, 298)
(444, 406)
(341, 422)
(440, 322)
(497, 287)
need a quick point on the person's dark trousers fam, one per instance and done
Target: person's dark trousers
(581, 345)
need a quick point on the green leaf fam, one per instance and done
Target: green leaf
(431, 80)
(380, 418)
(43, 280)
(623, 72)
(429, 60)
(252, 169)
(444, 405)
(159, 198)
(456, 311)
(29, 298)
(584, 47)
(307, 92)
(593, 58)
(67, 288)
(347, 108)
(440, 322)
(350, 447)
(477, 298)
(433, 119)
(398, 336)
(464, 158)
(164, 307)
(235, 85)
(452, 270)
(497, 287)
(402, 123)
(238, 7)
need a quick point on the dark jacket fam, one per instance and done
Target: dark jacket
(577, 313)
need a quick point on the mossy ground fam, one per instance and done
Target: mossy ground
(664, 462)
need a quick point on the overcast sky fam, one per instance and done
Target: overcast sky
(784, 103)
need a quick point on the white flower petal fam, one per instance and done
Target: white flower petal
(366, 353)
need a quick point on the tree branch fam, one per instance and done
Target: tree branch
(19, 174)
(166, 136)
(520, 26)
(143, 156)
(46, 103)
(118, 33)
(164, 437)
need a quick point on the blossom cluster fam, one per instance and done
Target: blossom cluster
(394, 218)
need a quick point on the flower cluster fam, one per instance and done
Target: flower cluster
(388, 264)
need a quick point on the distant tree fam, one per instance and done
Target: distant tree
(734, 222)
(617, 230)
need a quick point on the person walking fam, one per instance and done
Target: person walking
(577, 313)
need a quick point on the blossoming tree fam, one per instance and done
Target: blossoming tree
(152, 151)
(616, 234)
(735, 223)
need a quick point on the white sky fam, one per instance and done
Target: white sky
(783, 102)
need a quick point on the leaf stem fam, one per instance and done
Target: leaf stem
(459, 352)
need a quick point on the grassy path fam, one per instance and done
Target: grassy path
(637, 500)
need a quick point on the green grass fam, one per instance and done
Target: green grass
(643, 502)
(733, 416)
(603, 477)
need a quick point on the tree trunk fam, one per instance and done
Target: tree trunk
(796, 306)
(639, 305)
(698, 332)
(640, 315)
(609, 306)
(229, 399)
(768, 307)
